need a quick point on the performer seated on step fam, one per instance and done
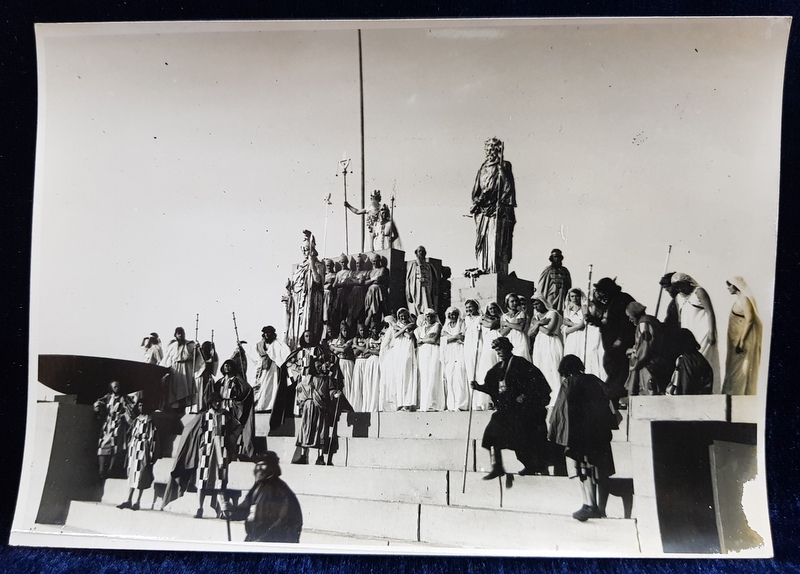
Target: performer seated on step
(520, 394)
(270, 509)
(582, 421)
(143, 451)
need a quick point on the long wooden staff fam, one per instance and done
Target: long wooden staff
(660, 288)
(585, 324)
(469, 407)
(196, 399)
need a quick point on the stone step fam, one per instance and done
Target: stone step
(390, 485)
(409, 453)
(557, 495)
(526, 532)
(434, 425)
(96, 518)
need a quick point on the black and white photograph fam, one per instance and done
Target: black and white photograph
(439, 287)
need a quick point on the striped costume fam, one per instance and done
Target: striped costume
(113, 438)
(142, 452)
(214, 456)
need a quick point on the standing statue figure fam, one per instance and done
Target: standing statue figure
(494, 198)
(373, 218)
(422, 284)
(384, 232)
(304, 297)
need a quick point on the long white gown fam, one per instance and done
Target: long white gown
(518, 338)
(454, 372)
(388, 386)
(406, 373)
(548, 350)
(431, 386)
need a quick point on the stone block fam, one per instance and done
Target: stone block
(450, 425)
(679, 408)
(416, 454)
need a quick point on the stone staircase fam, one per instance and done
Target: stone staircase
(397, 482)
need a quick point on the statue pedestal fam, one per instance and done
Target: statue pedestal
(492, 287)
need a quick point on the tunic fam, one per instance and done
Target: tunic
(143, 451)
(214, 449)
(237, 398)
(651, 372)
(314, 397)
(114, 436)
(582, 421)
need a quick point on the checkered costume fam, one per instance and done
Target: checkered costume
(113, 439)
(213, 452)
(142, 452)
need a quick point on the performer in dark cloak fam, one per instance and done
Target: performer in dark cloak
(616, 333)
(270, 509)
(316, 397)
(520, 394)
(582, 421)
(693, 374)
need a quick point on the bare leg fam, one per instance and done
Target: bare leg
(201, 498)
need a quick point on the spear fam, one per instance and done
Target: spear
(660, 288)
(345, 165)
(585, 325)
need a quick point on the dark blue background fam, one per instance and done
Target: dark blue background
(17, 149)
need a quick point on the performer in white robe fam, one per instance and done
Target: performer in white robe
(388, 387)
(575, 331)
(744, 341)
(342, 347)
(512, 326)
(548, 350)
(360, 344)
(185, 362)
(404, 361)
(697, 315)
(472, 338)
(454, 372)
(431, 386)
(372, 372)
(270, 354)
(488, 358)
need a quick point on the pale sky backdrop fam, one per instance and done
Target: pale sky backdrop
(179, 163)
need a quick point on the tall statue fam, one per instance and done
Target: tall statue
(304, 297)
(494, 198)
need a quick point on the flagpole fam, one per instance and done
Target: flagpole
(361, 106)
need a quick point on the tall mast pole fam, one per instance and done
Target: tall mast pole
(361, 105)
